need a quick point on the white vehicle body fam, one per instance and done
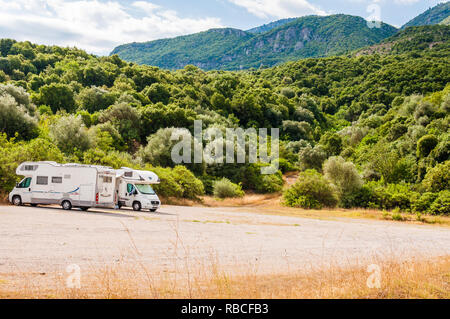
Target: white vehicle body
(69, 185)
(134, 189)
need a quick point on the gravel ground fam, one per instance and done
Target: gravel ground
(46, 239)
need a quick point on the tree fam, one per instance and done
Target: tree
(95, 99)
(342, 174)
(125, 118)
(311, 158)
(331, 143)
(58, 96)
(425, 145)
(70, 135)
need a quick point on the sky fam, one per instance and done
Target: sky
(97, 26)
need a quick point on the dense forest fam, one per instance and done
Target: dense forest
(282, 41)
(364, 130)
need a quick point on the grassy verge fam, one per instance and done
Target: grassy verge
(397, 280)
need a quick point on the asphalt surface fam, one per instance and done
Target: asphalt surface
(46, 239)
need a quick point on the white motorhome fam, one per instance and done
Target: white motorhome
(134, 189)
(68, 185)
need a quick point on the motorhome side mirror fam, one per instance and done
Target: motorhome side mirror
(135, 192)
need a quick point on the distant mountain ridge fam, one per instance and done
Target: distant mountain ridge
(269, 26)
(284, 40)
(434, 15)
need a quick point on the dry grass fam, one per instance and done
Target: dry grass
(413, 279)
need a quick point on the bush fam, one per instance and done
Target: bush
(70, 134)
(311, 190)
(441, 206)
(15, 118)
(392, 195)
(225, 188)
(311, 158)
(437, 178)
(362, 197)
(425, 145)
(423, 203)
(342, 174)
(261, 183)
(178, 182)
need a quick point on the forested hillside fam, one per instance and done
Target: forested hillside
(364, 131)
(433, 15)
(231, 49)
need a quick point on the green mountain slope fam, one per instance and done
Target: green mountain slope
(200, 49)
(412, 39)
(433, 15)
(269, 26)
(231, 49)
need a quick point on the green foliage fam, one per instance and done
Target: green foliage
(343, 175)
(423, 202)
(16, 113)
(224, 188)
(441, 206)
(437, 178)
(177, 182)
(311, 190)
(94, 99)
(426, 144)
(70, 135)
(57, 96)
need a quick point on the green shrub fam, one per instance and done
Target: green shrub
(285, 166)
(391, 196)
(191, 186)
(261, 183)
(177, 182)
(437, 178)
(311, 190)
(425, 145)
(225, 188)
(342, 174)
(363, 197)
(70, 134)
(423, 203)
(441, 206)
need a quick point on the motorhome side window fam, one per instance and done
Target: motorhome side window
(29, 167)
(42, 180)
(130, 188)
(128, 174)
(25, 183)
(107, 179)
(56, 180)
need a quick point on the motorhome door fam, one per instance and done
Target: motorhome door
(105, 189)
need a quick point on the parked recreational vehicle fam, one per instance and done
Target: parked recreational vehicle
(68, 185)
(134, 188)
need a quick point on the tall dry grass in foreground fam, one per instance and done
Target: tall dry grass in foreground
(412, 279)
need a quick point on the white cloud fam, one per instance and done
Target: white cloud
(93, 25)
(278, 8)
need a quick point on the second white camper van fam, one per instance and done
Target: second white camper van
(68, 185)
(135, 190)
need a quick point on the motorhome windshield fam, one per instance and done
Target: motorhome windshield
(145, 189)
